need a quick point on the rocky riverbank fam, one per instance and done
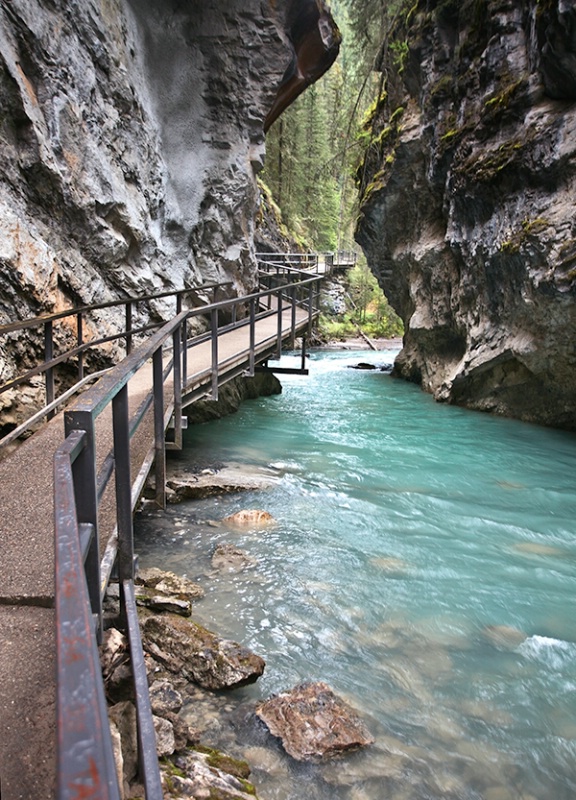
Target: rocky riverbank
(189, 669)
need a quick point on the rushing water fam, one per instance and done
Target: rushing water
(414, 541)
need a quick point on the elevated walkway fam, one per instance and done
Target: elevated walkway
(34, 723)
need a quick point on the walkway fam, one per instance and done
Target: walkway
(27, 623)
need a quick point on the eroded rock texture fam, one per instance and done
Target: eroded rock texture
(468, 204)
(131, 133)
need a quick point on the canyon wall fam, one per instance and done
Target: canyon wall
(131, 133)
(467, 212)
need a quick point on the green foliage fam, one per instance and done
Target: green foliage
(368, 310)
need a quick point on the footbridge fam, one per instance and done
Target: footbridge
(68, 493)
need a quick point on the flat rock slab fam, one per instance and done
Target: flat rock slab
(228, 480)
(313, 723)
(249, 518)
(187, 649)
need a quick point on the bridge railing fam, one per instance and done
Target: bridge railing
(77, 320)
(85, 761)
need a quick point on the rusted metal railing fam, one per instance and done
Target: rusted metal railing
(85, 761)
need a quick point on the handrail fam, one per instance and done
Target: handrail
(51, 361)
(10, 327)
(79, 572)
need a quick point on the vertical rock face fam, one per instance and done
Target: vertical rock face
(468, 204)
(131, 133)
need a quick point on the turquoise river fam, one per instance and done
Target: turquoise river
(423, 563)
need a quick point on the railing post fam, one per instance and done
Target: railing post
(214, 321)
(48, 356)
(293, 321)
(80, 342)
(86, 494)
(128, 328)
(121, 433)
(279, 331)
(311, 306)
(252, 335)
(159, 442)
(177, 385)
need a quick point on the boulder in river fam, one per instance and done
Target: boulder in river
(249, 518)
(195, 653)
(313, 723)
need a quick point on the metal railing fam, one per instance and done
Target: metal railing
(320, 263)
(80, 315)
(85, 761)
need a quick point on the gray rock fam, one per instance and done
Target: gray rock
(138, 169)
(209, 483)
(116, 667)
(480, 267)
(165, 698)
(169, 584)
(124, 717)
(165, 741)
(313, 723)
(209, 773)
(197, 654)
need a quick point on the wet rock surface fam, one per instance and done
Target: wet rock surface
(229, 558)
(313, 723)
(188, 649)
(467, 208)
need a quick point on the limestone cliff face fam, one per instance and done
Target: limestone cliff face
(131, 133)
(468, 203)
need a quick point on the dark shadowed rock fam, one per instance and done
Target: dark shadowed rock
(165, 698)
(313, 723)
(467, 212)
(197, 654)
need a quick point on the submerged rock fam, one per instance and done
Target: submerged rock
(195, 653)
(503, 637)
(228, 558)
(313, 723)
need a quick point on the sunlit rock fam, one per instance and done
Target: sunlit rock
(206, 773)
(249, 518)
(169, 583)
(313, 723)
(165, 741)
(124, 717)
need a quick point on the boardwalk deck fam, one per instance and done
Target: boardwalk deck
(27, 637)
